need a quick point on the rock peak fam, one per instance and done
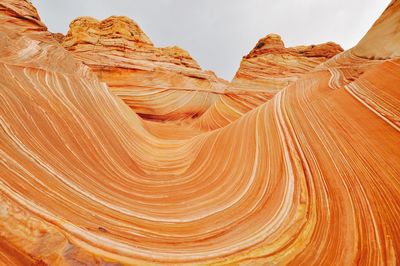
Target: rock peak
(271, 66)
(93, 41)
(273, 44)
(23, 9)
(382, 41)
(93, 31)
(271, 41)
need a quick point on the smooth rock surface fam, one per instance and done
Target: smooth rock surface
(309, 177)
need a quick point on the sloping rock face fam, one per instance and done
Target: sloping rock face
(383, 39)
(166, 84)
(266, 70)
(270, 67)
(121, 55)
(310, 177)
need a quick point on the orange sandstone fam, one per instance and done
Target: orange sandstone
(311, 176)
(270, 67)
(121, 54)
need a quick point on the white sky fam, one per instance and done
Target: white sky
(217, 33)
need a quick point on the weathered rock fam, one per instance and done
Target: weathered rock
(270, 67)
(383, 39)
(59, 37)
(121, 54)
(310, 177)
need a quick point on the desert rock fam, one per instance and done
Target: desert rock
(310, 176)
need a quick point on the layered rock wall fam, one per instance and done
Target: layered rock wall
(311, 176)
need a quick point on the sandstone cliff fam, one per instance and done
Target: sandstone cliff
(271, 67)
(121, 55)
(266, 70)
(311, 176)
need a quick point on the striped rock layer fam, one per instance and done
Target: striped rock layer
(166, 84)
(143, 76)
(266, 70)
(310, 177)
(271, 67)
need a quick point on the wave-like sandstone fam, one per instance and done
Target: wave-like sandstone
(147, 78)
(309, 177)
(271, 67)
(157, 83)
(266, 70)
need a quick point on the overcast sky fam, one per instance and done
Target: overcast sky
(217, 33)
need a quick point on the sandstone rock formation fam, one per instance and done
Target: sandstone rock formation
(121, 54)
(166, 84)
(383, 39)
(270, 67)
(311, 176)
(266, 70)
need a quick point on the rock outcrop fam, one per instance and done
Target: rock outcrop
(310, 177)
(266, 70)
(146, 77)
(121, 55)
(270, 67)
(383, 39)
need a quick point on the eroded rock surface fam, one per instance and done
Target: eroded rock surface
(271, 67)
(311, 176)
(157, 83)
